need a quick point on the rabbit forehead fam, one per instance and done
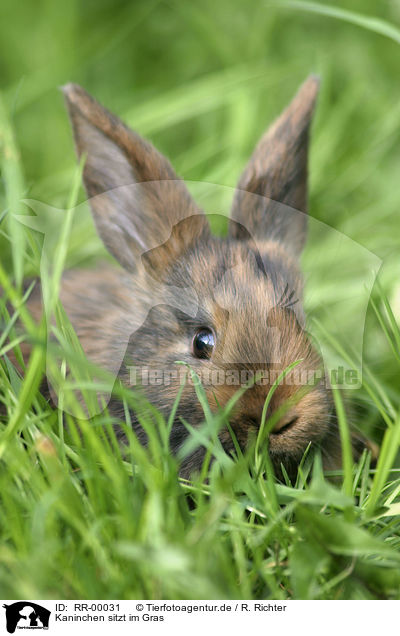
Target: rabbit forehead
(238, 277)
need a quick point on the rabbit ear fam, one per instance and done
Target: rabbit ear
(276, 174)
(135, 196)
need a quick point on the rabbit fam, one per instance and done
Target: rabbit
(246, 287)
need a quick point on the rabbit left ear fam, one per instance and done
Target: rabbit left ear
(136, 197)
(277, 174)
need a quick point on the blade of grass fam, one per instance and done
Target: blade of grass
(371, 23)
(347, 454)
(14, 182)
(387, 455)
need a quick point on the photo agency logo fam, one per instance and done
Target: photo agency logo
(26, 615)
(232, 307)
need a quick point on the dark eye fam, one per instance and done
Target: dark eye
(203, 343)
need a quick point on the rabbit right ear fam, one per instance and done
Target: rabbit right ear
(136, 197)
(277, 174)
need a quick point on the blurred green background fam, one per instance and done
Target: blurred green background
(202, 81)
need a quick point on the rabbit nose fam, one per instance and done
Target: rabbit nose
(286, 422)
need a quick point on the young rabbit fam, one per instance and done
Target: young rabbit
(246, 288)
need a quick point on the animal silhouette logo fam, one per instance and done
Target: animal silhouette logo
(26, 615)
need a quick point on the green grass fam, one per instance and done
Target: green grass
(80, 516)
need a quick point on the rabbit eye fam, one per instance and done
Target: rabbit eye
(203, 343)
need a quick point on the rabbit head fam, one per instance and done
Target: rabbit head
(228, 307)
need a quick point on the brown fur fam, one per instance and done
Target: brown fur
(243, 286)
